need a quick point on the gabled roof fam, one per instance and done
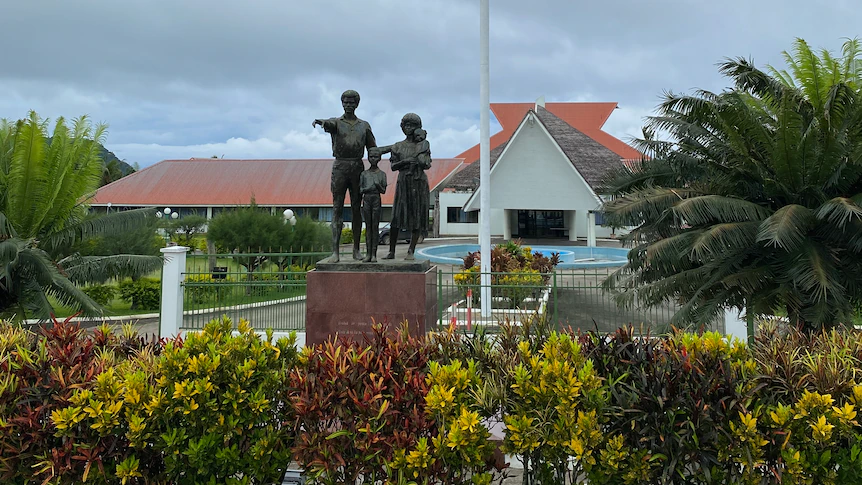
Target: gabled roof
(586, 117)
(467, 177)
(592, 159)
(577, 155)
(589, 157)
(220, 182)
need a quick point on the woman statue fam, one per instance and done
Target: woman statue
(410, 158)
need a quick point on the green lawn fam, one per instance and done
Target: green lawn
(116, 307)
(235, 293)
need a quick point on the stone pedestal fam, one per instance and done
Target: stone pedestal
(344, 298)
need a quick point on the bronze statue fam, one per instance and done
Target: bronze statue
(350, 138)
(410, 158)
(372, 184)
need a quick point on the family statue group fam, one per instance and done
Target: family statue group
(410, 157)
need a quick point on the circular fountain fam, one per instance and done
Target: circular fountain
(570, 256)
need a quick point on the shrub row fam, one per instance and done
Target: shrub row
(231, 407)
(143, 293)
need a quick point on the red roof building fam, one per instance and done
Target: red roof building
(203, 184)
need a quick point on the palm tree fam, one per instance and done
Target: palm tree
(45, 183)
(755, 199)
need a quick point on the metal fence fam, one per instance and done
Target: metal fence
(568, 297)
(268, 289)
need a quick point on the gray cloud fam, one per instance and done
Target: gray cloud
(245, 79)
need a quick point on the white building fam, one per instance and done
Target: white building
(545, 174)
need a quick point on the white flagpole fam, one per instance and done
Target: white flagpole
(485, 161)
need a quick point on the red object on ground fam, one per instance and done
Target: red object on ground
(469, 309)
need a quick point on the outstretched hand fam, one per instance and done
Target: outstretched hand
(316, 123)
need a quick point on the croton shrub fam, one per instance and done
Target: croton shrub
(44, 381)
(517, 273)
(382, 409)
(227, 406)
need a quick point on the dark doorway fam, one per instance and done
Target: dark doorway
(536, 224)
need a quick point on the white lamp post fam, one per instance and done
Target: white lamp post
(289, 216)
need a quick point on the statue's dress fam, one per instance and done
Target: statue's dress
(412, 195)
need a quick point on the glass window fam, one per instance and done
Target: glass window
(457, 215)
(325, 214)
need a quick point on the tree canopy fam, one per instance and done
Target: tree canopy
(255, 230)
(45, 182)
(753, 198)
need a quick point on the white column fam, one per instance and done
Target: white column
(173, 274)
(507, 224)
(591, 228)
(735, 325)
(209, 213)
(572, 219)
(485, 159)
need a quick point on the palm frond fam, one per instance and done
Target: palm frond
(810, 74)
(751, 280)
(25, 175)
(787, 228)
(840, 211)
(851, 54)
(7, 143)
(32, 297)
(816, 274)
(80, 174)
(9, 250)
(6, 228)
(104, 225)
(752, 80)
(720, 240)
(671, 253)
(707, 209)
(99, 269)
(650, 204)
(630, 177)
(35, 266)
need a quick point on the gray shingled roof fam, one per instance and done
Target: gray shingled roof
(468, 177)
(589, 157)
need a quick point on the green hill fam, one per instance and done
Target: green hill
(107, 156)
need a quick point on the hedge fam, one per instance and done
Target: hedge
(232, 407)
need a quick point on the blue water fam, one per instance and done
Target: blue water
(570, 256)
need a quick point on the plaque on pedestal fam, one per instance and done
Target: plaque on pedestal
(384, 266)
(346, 298)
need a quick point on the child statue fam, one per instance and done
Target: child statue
(372, 183)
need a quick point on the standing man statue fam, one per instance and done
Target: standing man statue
(350, 138)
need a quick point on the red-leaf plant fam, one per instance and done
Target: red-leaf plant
(357, 402)
(38, 375)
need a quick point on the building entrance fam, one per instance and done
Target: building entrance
(541, 224)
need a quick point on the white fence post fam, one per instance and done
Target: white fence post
(173, 273)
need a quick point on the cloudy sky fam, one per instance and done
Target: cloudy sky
(244, 79)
